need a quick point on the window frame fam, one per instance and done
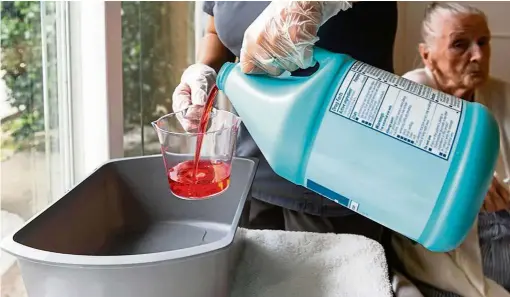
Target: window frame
(61, 175)
(96, 84)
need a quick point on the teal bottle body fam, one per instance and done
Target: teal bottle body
(409, 157)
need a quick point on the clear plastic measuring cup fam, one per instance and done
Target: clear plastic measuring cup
(211, 175)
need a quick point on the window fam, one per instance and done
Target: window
(159, 41)
(36, 152)
(158, 44)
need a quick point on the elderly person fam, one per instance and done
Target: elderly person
(456, 54)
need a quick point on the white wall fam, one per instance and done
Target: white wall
(408, 35)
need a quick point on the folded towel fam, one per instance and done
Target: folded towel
(302, 264)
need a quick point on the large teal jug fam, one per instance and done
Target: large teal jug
(407, 156)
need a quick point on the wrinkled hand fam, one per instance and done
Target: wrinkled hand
(282, 37)
(191, 94)
(497, 198)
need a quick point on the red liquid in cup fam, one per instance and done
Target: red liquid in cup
(195, 179)
(210, 178)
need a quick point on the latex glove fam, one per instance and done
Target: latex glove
(283, 35)
(497, 198)
(196, 83)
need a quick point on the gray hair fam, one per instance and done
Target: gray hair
(439, 9)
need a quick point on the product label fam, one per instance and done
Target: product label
(409, 112)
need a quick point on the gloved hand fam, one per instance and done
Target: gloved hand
(283, 35)
(196, 83)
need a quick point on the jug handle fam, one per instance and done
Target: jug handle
(306, 72)
(319, 55)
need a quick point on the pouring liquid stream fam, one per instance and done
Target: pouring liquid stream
(204, 119)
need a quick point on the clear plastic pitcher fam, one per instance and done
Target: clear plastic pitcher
(210, 176)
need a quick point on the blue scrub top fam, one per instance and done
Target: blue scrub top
(366, 32)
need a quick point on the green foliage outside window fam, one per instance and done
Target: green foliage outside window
(148, 74)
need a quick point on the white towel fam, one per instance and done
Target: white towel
(302, 264)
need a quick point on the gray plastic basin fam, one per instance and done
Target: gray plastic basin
(122, 233)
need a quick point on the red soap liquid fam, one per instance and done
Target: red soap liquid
(196, 182)
(197, 179)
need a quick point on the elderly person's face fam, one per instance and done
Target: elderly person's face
(459, 55)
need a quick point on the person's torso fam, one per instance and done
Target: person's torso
(495, 95)
(366, 32)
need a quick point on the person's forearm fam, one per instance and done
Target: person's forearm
(213, 53)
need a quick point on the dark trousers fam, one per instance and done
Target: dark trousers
(263, 215)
